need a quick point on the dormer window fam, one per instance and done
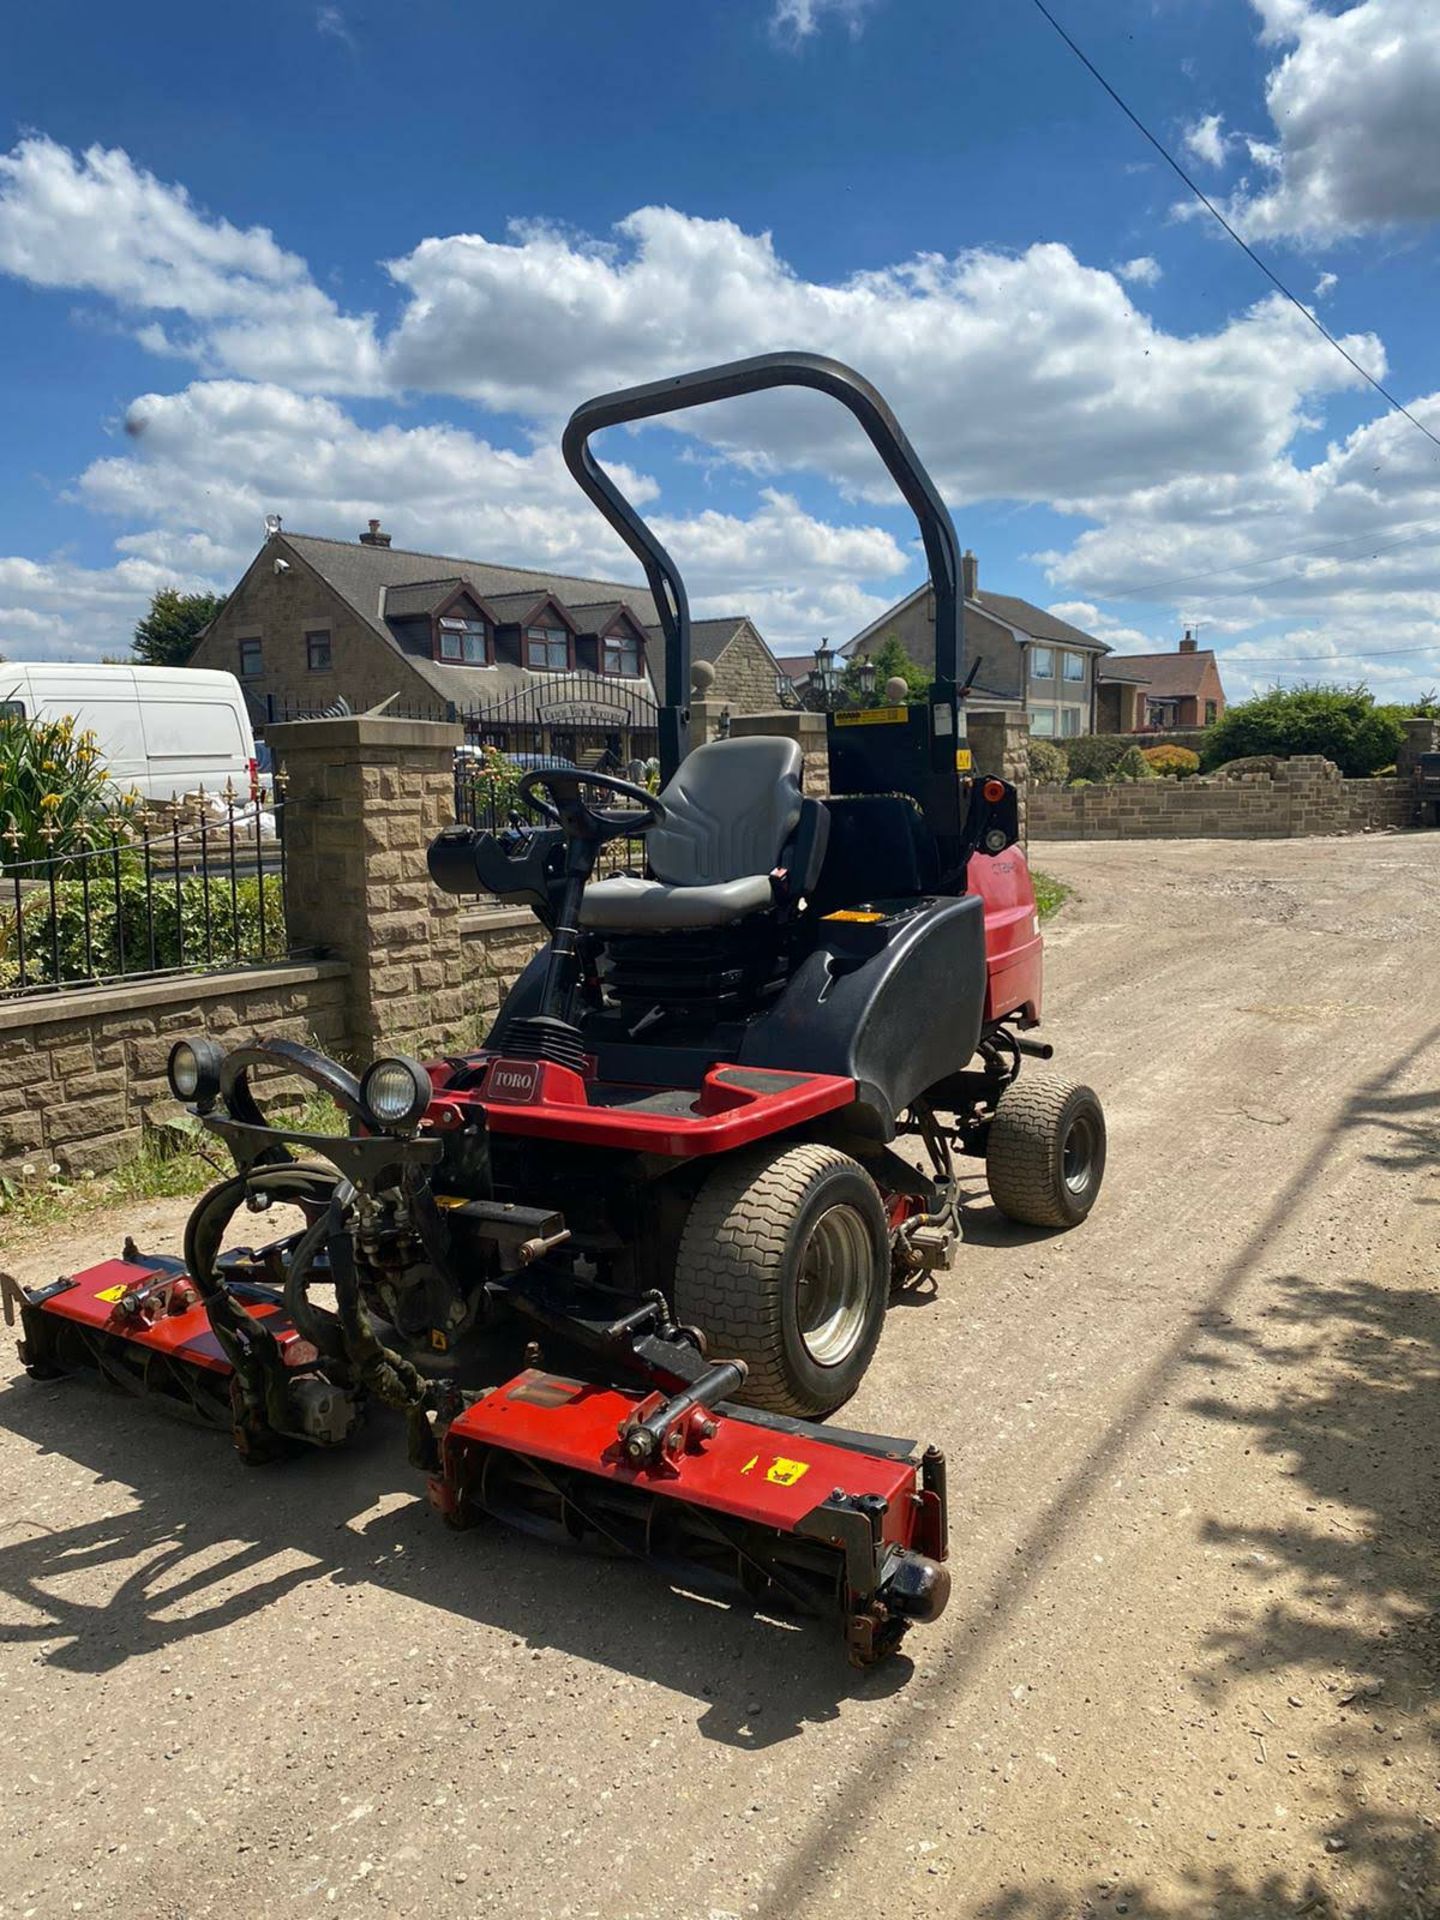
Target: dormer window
(620, 653)
(547, 649)
(461, 640)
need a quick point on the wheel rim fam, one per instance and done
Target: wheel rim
(834, 1291)
(1077, 1163)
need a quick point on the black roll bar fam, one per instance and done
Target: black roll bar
(842, 383)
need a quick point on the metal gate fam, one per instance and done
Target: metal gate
(587, 718)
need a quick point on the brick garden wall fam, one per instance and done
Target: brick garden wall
(1304, 796)
(82, 1073)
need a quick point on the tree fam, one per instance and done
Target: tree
(1342, 723)
(891, 661)
(167, 634)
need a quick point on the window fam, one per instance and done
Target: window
(620, 653)
(1211, 713)
(1042, 663)
(12, 709)
(317, 652)
(1070, 722)
(463, 640)
(1042, 722)
(250, 661)
(1072, 665)
(547, 649)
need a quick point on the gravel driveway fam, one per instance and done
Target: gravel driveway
(1190, 1664)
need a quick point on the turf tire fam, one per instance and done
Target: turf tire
(737, 1272)
(1036, 1119)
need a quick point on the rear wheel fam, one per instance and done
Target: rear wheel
(1045, 1157)
(784, 1263)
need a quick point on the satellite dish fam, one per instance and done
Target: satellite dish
(272, 525)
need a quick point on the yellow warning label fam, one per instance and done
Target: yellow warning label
(963, 762)
(855, 913)
(786, 1472)
(111, 1294)
(751, 1464)
(872, 717)
(438, 1341)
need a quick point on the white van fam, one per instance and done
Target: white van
(162, 730)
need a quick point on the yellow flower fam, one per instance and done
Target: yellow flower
(50, 799)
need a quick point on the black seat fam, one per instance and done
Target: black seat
(739, 839)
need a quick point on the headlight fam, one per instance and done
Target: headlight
(395, 1092)
(193, 1071)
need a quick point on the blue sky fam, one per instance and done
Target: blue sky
(340, 260)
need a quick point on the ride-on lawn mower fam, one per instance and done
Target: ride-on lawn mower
(614, 1266)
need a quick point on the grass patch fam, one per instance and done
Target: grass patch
(1050, 894)
(174, 1159)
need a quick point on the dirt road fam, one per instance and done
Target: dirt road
(1190, 1665)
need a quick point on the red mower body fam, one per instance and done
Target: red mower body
(1013, 948)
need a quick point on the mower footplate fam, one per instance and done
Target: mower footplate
(797, 1524)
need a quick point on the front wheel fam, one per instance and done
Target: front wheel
(784, 1263)
(1045, 1156)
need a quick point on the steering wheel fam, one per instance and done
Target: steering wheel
(579, 819)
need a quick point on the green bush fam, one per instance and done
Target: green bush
(56, 946)
(1049, 766)
(1132, 765)
(1342, 723)
(1095, 756)
(54, 794)
(1173, 761)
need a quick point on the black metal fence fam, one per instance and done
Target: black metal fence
(486, 797)
(195, 887)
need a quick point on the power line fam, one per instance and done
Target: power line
(1325, 552)
(1244, 245)
(1325, 659)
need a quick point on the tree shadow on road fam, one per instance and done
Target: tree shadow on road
(210, 1544)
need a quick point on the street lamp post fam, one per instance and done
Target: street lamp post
(824, 674)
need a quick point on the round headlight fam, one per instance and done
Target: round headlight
(193, 1070)
(395, 1092)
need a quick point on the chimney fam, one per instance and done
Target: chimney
(1189, 644)
(969, 574)
(374, 538)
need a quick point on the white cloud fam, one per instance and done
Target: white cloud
(1357, 132)
(1143, 271)
(97, 223)
(1205, 141)
(204, 467)
(331, 24)
(1028, 377)
(793, 21)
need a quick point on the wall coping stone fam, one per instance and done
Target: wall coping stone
(362, 730)
(126, 996)
(497, 920)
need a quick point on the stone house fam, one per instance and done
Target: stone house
(1028, 659)
(320, 625)
(1161, 692)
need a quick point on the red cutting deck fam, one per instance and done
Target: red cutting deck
(755, 1473)
(93, 1299)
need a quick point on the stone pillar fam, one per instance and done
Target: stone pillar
(1422, 735)
(705, 721)
(806, 728)
(999, 744)
(364, 797)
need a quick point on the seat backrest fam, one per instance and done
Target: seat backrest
(880, 849)
(730, 808)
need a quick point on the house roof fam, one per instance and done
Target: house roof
(402, 603)
(1169, 676)
(368, 578)
(796, 666)
(596, 615)
(708, 640)
(1028, 621)
(1122, 668)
